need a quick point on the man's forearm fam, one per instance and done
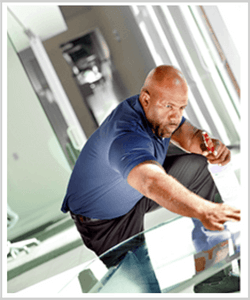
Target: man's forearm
(156, 184)
(197, 143)
(151, 180)
(189, 138)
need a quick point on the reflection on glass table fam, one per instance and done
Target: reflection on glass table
(159, 260)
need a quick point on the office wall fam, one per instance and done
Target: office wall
(130, 56)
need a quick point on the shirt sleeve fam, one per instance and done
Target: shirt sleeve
(129, 150)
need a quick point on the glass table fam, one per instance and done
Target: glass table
(158, 260)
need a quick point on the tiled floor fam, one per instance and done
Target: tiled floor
(50, 272)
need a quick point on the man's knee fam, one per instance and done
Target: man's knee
(197, 166)
(198, 160)
(187, 163)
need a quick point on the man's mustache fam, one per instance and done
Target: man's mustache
(173, 124)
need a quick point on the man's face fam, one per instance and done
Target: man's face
(165, 109)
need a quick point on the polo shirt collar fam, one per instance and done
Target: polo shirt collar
(139, 109)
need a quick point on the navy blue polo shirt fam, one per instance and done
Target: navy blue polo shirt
(98, 185)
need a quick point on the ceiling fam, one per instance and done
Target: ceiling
(72, 11)
(44, 21)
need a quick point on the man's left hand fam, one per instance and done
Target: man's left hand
(220, 155)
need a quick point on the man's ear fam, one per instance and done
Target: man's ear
(144, 98)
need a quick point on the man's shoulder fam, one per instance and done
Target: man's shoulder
(127, 112)
(127, 117)
(130, 104)
(131, 110)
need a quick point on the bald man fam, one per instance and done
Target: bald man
(123, 171)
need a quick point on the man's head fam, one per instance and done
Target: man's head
(164, 97)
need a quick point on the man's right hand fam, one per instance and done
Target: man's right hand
(152, 181)
(217, 214)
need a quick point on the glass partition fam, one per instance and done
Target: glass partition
(160, 260)
(37, 168)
